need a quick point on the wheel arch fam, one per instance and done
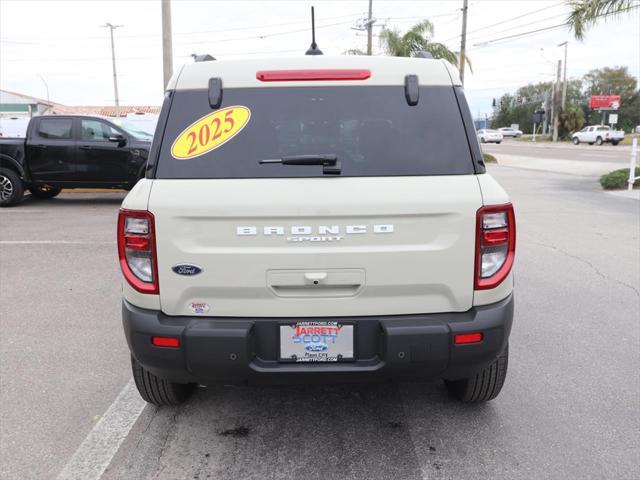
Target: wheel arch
(12, 164)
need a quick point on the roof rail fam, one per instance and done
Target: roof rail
(423, 54)
(202, 58)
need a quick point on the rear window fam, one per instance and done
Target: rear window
(372, 130)
(55, 128)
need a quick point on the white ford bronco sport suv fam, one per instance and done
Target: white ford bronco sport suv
(316, 219)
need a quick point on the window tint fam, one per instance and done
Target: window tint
(95, 130)
(55, 128)
(371, 129)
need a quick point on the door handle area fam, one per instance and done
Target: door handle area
(86, 147)
(41, 146)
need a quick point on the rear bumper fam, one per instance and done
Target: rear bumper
(245, 350)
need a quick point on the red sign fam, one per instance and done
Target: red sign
(609, 102)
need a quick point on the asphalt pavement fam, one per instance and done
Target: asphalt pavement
(562, 157)
(561, 151)
(569, 407)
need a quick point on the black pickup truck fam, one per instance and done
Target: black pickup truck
(71, 152)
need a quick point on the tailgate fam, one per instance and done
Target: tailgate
(304, 247)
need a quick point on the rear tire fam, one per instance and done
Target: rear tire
(614, 142)
(43, 192)
(599, 141)
(576, 141)
(11, 188)
(499, 143)
(159, 391)
(484, 385)
(482, 140)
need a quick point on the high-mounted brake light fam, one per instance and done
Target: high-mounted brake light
(137, 250)
(311, 75)
(495, 245)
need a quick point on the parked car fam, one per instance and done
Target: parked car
(289, 229)
(510, 132)
(13, 127)
(598, 134)
(140, 122)
(486, 135)
(70, 152)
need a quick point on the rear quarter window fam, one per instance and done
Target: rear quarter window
(372, 130)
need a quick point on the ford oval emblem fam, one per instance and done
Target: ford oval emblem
(186, 269)
(316, 347)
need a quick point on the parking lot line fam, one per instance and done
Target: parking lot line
(52, 242)
(101, 444)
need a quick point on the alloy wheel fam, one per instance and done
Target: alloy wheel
(6, 188)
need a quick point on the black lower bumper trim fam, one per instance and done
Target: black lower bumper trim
(244, 350)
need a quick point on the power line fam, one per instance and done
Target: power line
(554, 17)
(266, 35)
(200, 32)
(552, 27)
(506, 21)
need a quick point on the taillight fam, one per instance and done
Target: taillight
(495, 245)
(137, 250)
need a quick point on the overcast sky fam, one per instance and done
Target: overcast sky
(62, 41)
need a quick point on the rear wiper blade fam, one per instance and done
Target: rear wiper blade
(330, 163)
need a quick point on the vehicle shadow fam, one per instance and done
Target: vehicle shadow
(381, 431)
(73, 199)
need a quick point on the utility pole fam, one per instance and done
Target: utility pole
(564, 81)
(113, 61)
(167, 47)
(556, 110)
(463, 41)
(370, 29)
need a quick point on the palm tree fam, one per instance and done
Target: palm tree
(417, 39)
(585, 13)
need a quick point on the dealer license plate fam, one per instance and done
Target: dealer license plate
(316, 342)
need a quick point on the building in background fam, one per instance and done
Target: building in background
(13, 104)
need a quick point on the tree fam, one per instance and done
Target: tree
(610, 81)
(615, 81)
(571, 120)
(585, 13)
(417, 39)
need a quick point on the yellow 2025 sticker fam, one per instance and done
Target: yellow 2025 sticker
(210, 132)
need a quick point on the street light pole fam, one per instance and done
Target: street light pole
(556, 110)
(167, 46)
(47, 88)
(113, 61)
